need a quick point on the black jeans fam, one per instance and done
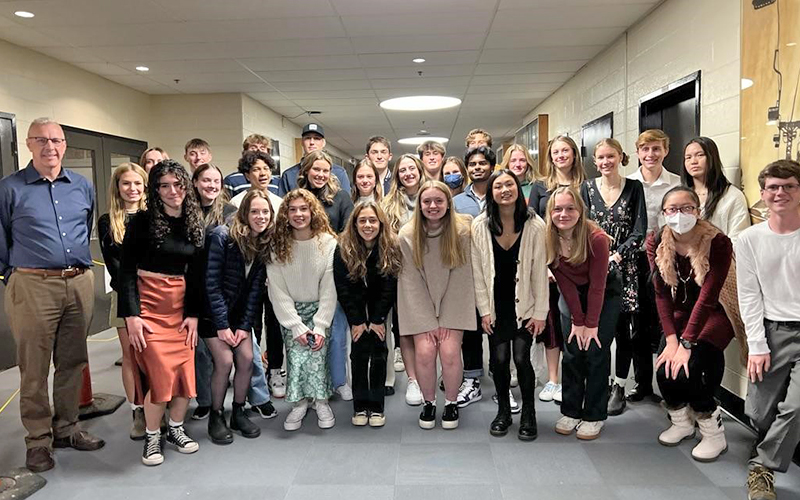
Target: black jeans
(368, 363)
(274, 336)
(501, 365)
(472, 351)
(706, 367)
(584, 374)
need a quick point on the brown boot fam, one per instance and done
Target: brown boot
(81, 440)
(39, 459)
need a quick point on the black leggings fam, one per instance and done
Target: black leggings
(368, 363)
(706, 367)
(501, 351)
(225, 357)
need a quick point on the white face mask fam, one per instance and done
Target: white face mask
(680, 222)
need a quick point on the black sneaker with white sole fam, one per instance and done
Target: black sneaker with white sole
(266, 410)
(153, 453)
(450, 416)
(427, 419)
(177, 437)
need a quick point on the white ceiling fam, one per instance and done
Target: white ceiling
(341, 57)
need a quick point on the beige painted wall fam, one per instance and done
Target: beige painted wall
(675, 40)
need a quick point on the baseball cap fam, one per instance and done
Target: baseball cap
(313, 127)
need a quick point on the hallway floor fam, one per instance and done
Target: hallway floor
(399, 461)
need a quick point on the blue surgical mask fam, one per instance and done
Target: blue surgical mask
(454, 181)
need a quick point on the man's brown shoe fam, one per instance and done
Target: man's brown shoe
(39, 459)
(81, 440)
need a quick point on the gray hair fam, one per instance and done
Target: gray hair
(41, 121)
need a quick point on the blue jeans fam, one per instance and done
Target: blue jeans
(337, 349)
(203, 366)
(258, 393)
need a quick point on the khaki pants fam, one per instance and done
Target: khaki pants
(50, 317)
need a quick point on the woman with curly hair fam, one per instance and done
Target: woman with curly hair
(235, 274)
(126, 197)
(160, 280)
(436, 295)
(365, 268)
(303, 293)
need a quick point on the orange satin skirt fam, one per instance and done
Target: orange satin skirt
(166, 365)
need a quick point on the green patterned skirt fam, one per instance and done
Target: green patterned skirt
(308, 375)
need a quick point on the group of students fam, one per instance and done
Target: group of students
(423, 257)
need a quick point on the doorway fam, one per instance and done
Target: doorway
(9, 163)
(592, 133)
(675, 109)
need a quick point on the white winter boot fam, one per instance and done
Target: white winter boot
(682, 427)
(713, 443)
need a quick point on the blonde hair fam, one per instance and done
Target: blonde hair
(652, 135)
(454, 227)
(254, 139)
(377, 191)
(354, 251)
(215, 215)
(284, 237)
(143, 158)
(394, 203)
(615, 145)
(329, 190)
(252, 246)
(531, 173)
(116, 206)
(478, 131)
(577, 172)
(583, 229)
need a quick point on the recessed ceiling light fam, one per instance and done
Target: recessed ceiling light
(23, 13)
(420, 103)
(746, 83)
(416, 141)
(142, 68)
(418, 60)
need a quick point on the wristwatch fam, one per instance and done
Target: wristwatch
(687, 345)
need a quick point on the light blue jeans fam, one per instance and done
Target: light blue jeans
(258, 393)
(337, 350)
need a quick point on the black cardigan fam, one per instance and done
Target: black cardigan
(339, 210)
(367, 300)
(111, 250)
(232, 295)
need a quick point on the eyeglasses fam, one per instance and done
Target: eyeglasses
(687, 209)
(787, 188)
(42, 141)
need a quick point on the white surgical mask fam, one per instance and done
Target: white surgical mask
(680, 222)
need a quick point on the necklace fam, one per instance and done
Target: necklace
(682, 281)
(566, 243)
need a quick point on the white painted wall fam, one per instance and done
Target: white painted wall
(675, 40)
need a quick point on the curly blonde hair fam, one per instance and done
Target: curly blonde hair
(284, 234)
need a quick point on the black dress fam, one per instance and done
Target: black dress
(626, 222)
(505, 274)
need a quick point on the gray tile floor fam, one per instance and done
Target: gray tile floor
(399, 461)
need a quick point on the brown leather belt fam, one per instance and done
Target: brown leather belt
(67, 272)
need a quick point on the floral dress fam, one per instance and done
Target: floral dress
(626, 222)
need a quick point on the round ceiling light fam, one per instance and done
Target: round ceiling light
(23, 13)
(143, 69)
(420, 103)
(416, 141)
(418, 60)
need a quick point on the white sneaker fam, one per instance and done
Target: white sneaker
(515, 407)
(325, 418)
(294, 420)
(557, 395)
(588, 431)
(469, 392)
(399, 365)
(360, 418)
(413, 393)
(566, 425)
(548, 392)
(277, 383)
(345, 392)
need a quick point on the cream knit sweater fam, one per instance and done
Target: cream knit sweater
(434, 296)
(307, 278)
(532, 289)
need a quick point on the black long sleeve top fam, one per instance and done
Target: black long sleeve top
(110, 249)
(365, 300)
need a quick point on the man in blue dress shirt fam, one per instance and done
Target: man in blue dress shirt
(46, 213)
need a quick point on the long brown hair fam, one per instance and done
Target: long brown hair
(454, 227)
(252, 246)
(377, 191)
(354, 251)
(116, 206)
(329, 190)
(394, 203)
(578, 174)
(583, 229)
(215, 216)
(284, 238)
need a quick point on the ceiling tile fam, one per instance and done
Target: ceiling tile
(323, 75)
(402, 44)
(412, 71)
(529, 67)
(540, 54)
(246, 9)
(413, 24)
(432, 59)
(298, 63)
(418, 7)
(552, 38)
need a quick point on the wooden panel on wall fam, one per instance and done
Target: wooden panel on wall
(759, 43)
(544, 139)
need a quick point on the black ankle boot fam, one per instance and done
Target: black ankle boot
(501, 422)
(527, 424)
(240, 422)
(616, 402)
(218, 430)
